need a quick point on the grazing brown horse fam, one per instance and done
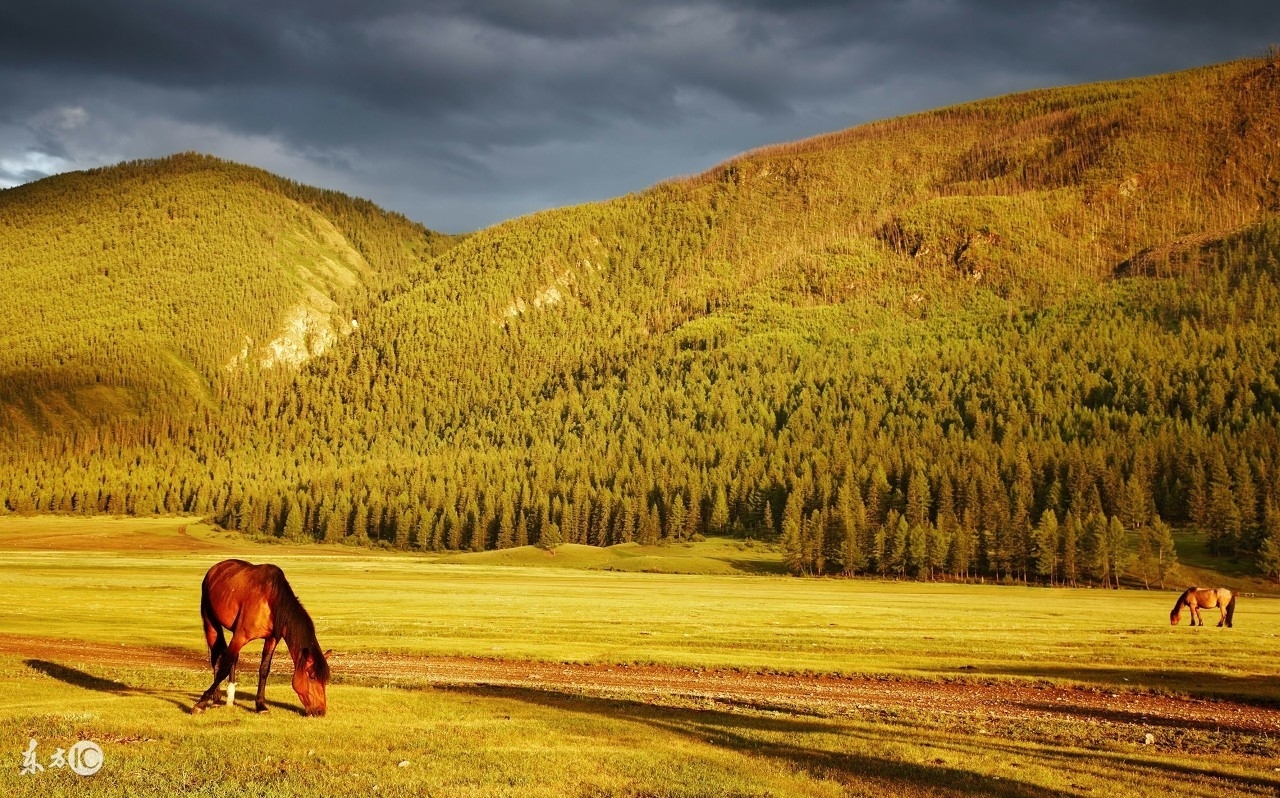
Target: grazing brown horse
(1205, 598)
(256, 603)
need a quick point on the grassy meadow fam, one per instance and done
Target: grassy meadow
(63, 578)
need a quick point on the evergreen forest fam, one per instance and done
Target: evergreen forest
(1018, 339)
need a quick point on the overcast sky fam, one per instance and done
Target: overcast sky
(461, 113)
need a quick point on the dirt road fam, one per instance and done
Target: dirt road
(822, 695)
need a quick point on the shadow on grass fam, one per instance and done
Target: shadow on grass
(745, 734)
(1149, 768)
(1139, 719)
(765, 567)
(740, 733)
(79, 678)
(1254, 689)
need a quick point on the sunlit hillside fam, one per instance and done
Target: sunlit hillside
(1013, 339)
(155, 285)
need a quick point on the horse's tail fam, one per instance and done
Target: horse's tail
(212, 629)
(1231, 609)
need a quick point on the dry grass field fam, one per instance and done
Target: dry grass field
(473, 676)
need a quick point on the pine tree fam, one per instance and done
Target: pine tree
(878, 496)
(627, 521)
(850, 524)
(522, 530)
(1135, 504)
(422, 529)
(452, 528)
(936, 545)
(718, 524)
(815, 542)
(1047, 545)
(1269, 549)
(506, 527)
(476, 530)
(1246, 496)
(650, 527)
(693, 521)
(1098, 544)
(1072, 538)
(335, 525)
(879, 559)
(550, 537)
(1198, 497)
(1165, 550)
(1225, 525)
(293, 522)
(964, 549)
(898, 532)
(918, 497)
(1118, 548)
(1020, 537)
(676, 519)
(360, 523)
(1145, 556)
(792, 532)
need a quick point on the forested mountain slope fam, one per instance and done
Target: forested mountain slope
(153, 286)
(993, 339)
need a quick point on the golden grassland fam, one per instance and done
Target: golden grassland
(68, 579)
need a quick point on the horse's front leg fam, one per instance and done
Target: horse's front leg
(264, 670)
(1196, 620)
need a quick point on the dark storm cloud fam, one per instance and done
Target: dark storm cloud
(462, 113)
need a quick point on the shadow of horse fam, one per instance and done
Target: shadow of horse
(78, 678)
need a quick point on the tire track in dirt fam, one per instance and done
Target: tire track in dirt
(821, 695)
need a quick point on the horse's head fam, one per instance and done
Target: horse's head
(1175, 616)
(310, 675)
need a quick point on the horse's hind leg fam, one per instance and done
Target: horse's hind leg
(222, 671)
(212, 631)
(231, 682)
(217, 654)
(226, 668)
(232, 659)
(264, 670)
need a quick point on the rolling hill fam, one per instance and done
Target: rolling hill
(1011, 338)
(152, 285)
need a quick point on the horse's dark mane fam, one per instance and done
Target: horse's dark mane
(299, 630)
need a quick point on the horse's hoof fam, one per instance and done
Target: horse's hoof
(197, 709)
(261, 708)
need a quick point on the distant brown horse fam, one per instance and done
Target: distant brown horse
(1205, 598)
(256, 603)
